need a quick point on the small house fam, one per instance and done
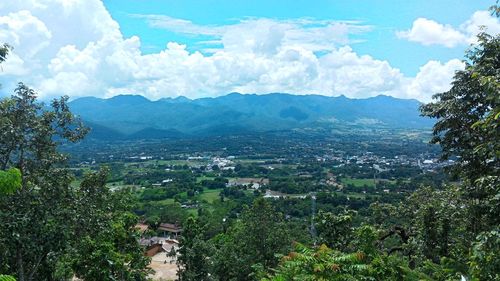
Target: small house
(170, 230)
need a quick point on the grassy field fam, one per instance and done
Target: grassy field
(202, 178)
(358, 182)
(210, 195)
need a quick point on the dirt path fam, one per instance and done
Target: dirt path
(163, 271)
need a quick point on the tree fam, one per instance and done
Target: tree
(335, 230)
(4, 52)
(194, 252)
(265, 232)
(10, 180)
(51, 230)
(430, 234)
(251, 244)
(104, 245)
(436, 222)
(485, 259)
(366, 238)
(468, 129)
(34, 217)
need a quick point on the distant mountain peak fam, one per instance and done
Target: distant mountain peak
(136, 116)
(128, 97)
(178, 99)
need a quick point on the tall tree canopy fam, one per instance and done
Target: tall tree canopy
(51, 230)
(468, 128)
(468, 131)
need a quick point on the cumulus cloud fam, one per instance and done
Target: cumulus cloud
(262, 34)
(19, 28)
(429, 32)
(433, 77)
(76, 48)
(478, 20)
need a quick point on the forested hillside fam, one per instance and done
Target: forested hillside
(135, 117)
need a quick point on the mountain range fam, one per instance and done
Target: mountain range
(136, 117)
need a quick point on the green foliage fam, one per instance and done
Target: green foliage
(51, 230)
(251, 244)
(106, 247)
(495, 9)
(324, 263)
(194, 252)
(321, 264)
(216, 183)
(161, 211)
(366, 239)
(485, 259)
(383, 215)
(7, 278)
(10, 181)
(446, 270)
(335, 229)
(468, 126)
(393, 267)
(437, 223)
(4, 52)
(35, 218)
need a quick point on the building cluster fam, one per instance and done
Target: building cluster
(165, 240)
(223, 163)
(253, 183)
(382, 163)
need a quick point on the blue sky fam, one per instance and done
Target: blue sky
(405, 49)
(386, 17)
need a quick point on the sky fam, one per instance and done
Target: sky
(167, 48)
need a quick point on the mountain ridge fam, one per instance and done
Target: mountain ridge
(129, 115)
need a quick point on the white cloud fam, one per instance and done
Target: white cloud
(82, 52)
(429, 32)
(480, 19)
(181, 25)
(433, 77)
(18, 29)
(254, 33)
